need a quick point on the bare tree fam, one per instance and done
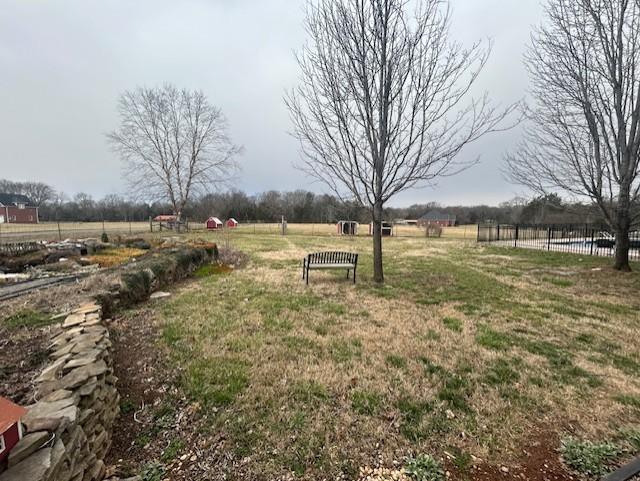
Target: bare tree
(381, 105)
(174, 142)
(38, 192)
(583, 136)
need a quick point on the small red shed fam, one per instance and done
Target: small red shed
(10, 426)
(214, 223)
(232, 223)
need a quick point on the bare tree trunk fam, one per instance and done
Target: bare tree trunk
(378, 273)
(623, 225)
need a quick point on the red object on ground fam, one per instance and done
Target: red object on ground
(10, 426)
(232, 223)
(214, 223)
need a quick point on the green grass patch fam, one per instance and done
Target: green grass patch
(503, 372)
(217, 381)
(366, 402)
(453, 324)
(344, 350)
(311, 393)
(396, 361)
(27, 318)
(628, 400)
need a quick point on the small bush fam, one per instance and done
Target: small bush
(424, 468)
(104, 238)
(587, 458)
(153, 472)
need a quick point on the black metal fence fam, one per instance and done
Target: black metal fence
(595, 240)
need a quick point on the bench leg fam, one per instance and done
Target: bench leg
(304, 266)
(307, 275)
(354, 275)
(347, 273)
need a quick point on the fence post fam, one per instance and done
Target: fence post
(59, 232)
(150, 224)
(549, 238)
(498, 234)
(478, 235)
(515, 240)
(593, 239)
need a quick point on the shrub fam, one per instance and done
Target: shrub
(587, 458)
(153, 472)
(424, 468)
(104, 238)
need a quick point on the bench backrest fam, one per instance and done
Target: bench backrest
(332, 258)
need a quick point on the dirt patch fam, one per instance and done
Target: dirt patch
(23, 353)
(540, 462)
(158, 428)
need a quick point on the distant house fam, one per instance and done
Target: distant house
(232, 223)
(17, 209)
(436, 217)
(214, 223)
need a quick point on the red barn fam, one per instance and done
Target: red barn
(10, 426)
(232, 223)
(214, 223)
(17, 209)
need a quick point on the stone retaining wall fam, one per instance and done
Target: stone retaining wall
(68, 431)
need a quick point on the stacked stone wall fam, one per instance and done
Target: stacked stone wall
(67, 432)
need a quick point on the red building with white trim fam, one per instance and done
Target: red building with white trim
(10, 426)
(17, 209)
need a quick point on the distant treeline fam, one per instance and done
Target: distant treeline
(296, 206)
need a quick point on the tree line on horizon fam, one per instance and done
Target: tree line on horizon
(299, 206)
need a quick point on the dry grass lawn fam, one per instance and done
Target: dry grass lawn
(466, 349)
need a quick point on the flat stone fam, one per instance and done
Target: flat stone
(45, 424)
(33, 468)
(159, 295)
(89, 387)
(57, 396)
(63, 408)
(51, 372)
(75, 331)
(92, 322)
(63, 351)
(79, 362)
(58, 454)
(79, 376)
(28, 445)
(88, 308)
(73, 320)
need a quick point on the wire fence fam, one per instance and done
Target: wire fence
(59, 231)
(593, 240)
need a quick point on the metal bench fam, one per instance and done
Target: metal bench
(330, 260)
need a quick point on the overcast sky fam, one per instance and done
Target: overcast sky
(64, 63)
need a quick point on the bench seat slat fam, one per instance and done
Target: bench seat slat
(332, 266)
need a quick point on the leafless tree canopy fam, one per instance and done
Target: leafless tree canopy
(38, 193)
(583, 134)
(383, 103)
(174, 142)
